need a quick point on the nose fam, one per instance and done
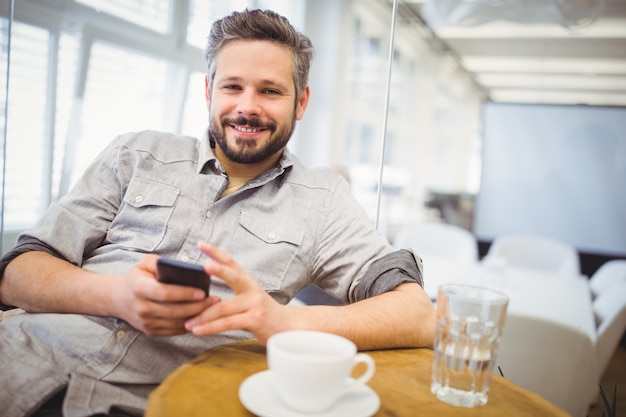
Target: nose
(249, 104)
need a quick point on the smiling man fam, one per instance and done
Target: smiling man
(100, 332)
(253, 105)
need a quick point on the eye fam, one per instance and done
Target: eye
(271, 91)
(231, 87)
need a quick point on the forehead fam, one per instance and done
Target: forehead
(253, 60)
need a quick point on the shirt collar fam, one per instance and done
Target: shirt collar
(206, 158)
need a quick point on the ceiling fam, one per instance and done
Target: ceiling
(540, 62)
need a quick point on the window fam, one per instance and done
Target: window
(26, 166)
(124, 91)
(203, 12)
(56, 127)
(65, 110)
(195, 116)
(152, 14)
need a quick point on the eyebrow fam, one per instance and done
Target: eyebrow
(266, 83)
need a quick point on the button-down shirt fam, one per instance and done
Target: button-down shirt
(151, 192)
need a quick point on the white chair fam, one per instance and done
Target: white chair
(536, 252)
(440, 240)
(610, 311)
(551, 359)
(610, 273)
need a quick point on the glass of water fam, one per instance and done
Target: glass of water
(468, 331)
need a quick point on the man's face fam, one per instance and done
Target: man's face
(252, 102)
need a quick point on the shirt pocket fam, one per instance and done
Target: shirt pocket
(271, 247)
(142, 219)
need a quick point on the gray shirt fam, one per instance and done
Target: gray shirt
(152, 192)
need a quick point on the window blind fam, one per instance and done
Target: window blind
(24, 181)
(125, 91)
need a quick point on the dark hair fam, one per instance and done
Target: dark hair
(264, 25)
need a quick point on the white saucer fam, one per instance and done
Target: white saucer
(257, 394)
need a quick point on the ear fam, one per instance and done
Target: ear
(302, 103)
(207, 91)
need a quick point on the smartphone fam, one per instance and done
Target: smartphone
(171, 271)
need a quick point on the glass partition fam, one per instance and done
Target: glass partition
(6, 21)
(432, 155)
(343, 127)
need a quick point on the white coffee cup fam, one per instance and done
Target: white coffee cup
(311, 369)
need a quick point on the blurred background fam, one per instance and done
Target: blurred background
(497, 116)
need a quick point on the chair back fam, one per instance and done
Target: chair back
(610, 273)
(550, 359)
(536, 252)
(440, 240)
(610, 311)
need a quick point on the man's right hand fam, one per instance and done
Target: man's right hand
(155, 308)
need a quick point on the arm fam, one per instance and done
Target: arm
(404, 317)
(39, 282)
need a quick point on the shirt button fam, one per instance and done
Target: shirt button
(120, 335)
(208, 214)
(184, 258)
(271, 235)
(138, 199)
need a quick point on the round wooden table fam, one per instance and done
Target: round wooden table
(209, 386)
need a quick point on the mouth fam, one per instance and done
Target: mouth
(247, 129)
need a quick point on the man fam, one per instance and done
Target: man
(101, 332)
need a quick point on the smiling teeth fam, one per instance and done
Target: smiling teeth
(247, 130)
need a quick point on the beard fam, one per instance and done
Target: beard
(248, 151)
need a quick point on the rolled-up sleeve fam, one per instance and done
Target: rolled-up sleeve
(389, 271)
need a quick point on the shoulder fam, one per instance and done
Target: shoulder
(166, 147)
(316, 178)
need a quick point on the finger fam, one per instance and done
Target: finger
(246, 312)
(168, 319)
(148, 264)
(174, 311)
(235, 305)
(215, 253)
(144, 285)
(156, 325)
(223, 266)
(169, 316)
(164, 328)
(172, 293)
(162, 292)
(231, 322)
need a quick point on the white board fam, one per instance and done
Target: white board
(555, 171)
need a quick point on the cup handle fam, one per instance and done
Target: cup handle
(369, 372)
